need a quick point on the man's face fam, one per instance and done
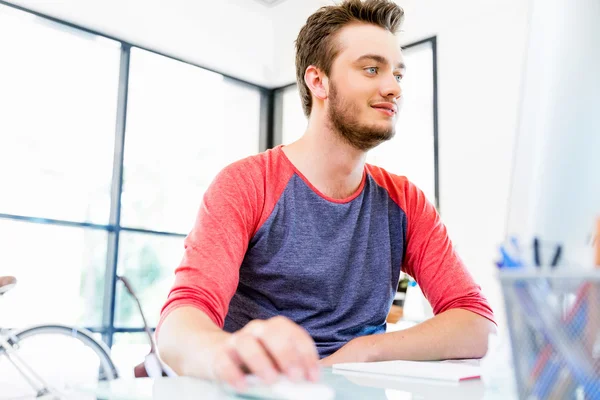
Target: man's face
(364, 85)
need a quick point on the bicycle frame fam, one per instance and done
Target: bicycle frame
(11, 347)
(31, 377)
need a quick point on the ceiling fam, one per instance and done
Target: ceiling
(270, 3)
(247, 39)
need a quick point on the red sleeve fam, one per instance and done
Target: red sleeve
(430, 257)
(236, 204)
(208, 274)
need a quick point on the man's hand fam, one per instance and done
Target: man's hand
(266, 349)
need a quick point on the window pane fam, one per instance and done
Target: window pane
(184, 124)
(294, 122)
(58, 101)
(148, 262)
(128, 350)
(60, 273)
(411, 151)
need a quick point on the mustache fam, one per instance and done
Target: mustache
(382, 100)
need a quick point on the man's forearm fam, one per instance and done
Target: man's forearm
(187, 340)
(455, 333)
(452, 334)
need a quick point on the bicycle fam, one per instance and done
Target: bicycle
(21, 347)
(48, 381)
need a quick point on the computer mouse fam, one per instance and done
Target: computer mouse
(283, 389)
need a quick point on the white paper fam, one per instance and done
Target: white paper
(452, 371)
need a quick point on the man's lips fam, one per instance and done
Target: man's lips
(391, 107)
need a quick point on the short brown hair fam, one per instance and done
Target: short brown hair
(315, 45)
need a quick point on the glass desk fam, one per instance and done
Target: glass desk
(346, 386)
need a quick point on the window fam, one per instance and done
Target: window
(69, 100)
(184, 124)
(57, 119)
(412, 152)
(60, 272)
(294, 122)
(148, 262)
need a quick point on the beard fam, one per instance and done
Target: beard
(343, 115)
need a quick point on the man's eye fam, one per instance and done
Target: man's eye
(399, 78)
(371, 70)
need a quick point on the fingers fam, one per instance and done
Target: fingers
(292, 348)
(309, 357)
(227, 369)
(267, 349)
(253, 355)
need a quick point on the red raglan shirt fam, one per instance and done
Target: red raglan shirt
(266, 242)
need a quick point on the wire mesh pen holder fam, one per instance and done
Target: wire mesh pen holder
(554, 323)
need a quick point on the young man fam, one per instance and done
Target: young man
(296, 252)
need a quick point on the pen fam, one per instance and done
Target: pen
(557, 255)
(536, 252)
(537, 257)
(597, 243)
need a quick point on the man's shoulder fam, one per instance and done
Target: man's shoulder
(253, 166)
(264, 172)
(386, 179)
(400, 189)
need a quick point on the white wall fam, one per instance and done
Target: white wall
(288, 18)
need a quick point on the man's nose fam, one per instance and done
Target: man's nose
(391, 88)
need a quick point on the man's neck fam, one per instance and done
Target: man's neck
(332, 165)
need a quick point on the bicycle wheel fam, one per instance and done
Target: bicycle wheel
(63, 358)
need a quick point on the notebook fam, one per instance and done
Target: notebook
(449, 371)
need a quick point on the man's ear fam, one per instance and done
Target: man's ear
(317, 82)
